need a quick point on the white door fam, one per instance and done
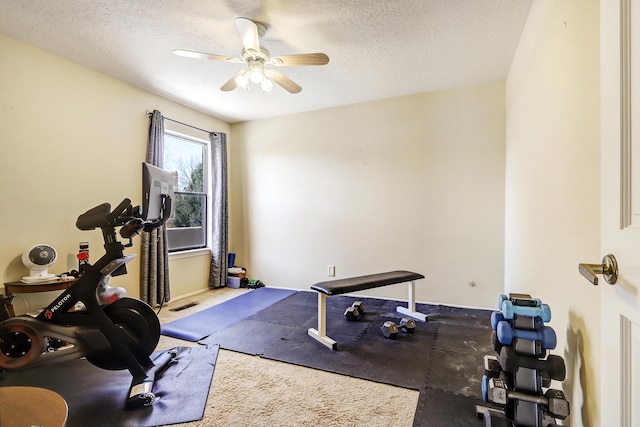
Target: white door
(620, 211)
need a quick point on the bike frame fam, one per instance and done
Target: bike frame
(90, 330)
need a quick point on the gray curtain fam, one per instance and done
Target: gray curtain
(220, 220)
(154, 256)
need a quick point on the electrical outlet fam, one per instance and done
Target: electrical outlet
(331, 270)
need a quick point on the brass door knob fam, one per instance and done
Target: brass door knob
(608, 268)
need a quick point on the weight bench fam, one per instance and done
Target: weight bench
(353, 284)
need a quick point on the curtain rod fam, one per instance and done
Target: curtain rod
(149, 113)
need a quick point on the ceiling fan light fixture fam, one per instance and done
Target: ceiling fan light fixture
(242, 80)
(256, 74)
(266, 85)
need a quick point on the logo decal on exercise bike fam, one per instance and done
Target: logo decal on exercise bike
(49, 313)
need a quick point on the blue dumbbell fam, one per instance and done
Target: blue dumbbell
(509, 310)
(485, 388)
(496, 317)
(501, 299)
(546, 335)
(523, 322)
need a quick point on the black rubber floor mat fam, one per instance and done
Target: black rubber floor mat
(279, 332)
(457, 365)
(97, 397)
(438, 408)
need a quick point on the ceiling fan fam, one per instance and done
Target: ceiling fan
(256, 57)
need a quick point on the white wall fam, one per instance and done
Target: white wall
(415, 182)
(552, 183)
(71, 139)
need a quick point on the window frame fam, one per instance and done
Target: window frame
(206, 192)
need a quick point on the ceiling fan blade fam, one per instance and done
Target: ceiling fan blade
(284, 81)
(202, 55)
(231, 83)
(249, 34)
(301, 59)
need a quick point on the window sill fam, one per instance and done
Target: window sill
(189, 253)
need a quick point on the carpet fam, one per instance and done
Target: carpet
(205, 322)
(96, 397)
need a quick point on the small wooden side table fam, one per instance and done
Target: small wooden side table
(32, 406)
(11, 288)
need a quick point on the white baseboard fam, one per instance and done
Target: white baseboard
(397, 299)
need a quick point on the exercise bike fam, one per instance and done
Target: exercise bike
(93, 320)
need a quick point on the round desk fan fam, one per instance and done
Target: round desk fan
(38, 258)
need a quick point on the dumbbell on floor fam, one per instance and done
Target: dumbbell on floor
(353, 312)
(554, 401)
(390, 329)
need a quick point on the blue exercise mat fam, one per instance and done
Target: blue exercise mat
(213, 319)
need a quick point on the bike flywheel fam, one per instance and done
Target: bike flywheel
(142, 327)
(20, 344)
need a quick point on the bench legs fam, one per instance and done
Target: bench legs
(320, 334)
(410, 310)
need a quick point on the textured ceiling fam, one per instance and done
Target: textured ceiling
(377, 49)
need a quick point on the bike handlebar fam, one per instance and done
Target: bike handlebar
(103, 217)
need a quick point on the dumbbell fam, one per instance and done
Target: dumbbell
(353, 312)
(553, 365)
(485, 384)
(509, 309)
(497, 345)
(389, 329)
(519, 299)
(493, 418)
(546, 335)
(491, 366)
(519, 322)
(528, 347)
(485, 387)
(407, 325)
(554, 401)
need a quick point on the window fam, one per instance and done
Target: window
(188, 156)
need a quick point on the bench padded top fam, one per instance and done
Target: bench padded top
(352, 284)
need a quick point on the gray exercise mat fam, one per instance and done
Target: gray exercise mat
(96, 397)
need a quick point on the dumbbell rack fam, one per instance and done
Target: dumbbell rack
(515, 380)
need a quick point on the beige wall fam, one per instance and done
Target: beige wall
(71, 139)
(552, 183)
(356, 195)
(415, 182)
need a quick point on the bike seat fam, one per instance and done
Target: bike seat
(94, 218)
